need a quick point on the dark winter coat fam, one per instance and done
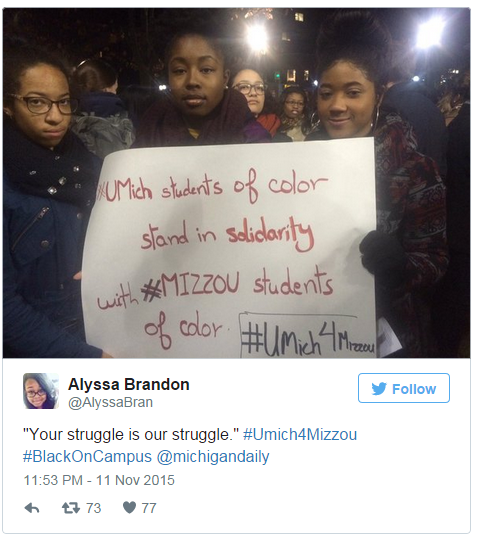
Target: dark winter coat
(425, 118)
(43, 234)
(103, 124)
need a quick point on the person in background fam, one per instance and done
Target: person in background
(294, 115)
(405, 96)
(452, 301)
(201, 109)
(250, 83)
(101, 121)
(38, 392)
(49, 188)
(450, 104)
(137, 100)
(407, 253)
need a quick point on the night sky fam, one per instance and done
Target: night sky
(121, 37)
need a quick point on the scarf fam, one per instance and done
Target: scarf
(289, 123)
(163, 124)
(68, 173)
(270, 122)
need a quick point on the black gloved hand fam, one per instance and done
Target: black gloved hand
(384, 257)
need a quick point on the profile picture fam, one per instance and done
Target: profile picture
(40, 390)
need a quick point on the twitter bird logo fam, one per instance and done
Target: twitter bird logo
(378, 390)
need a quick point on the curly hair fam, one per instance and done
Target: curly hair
(357, 36)
(19, 56)
(218, 44)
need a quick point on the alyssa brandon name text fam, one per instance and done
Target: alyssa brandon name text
(129, 384)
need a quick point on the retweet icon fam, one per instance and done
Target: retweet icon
(378, 390)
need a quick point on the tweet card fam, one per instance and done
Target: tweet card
(236, 447)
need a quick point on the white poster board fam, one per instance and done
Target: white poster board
(232, 251)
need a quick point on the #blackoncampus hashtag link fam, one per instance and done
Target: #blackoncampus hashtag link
(84, 457)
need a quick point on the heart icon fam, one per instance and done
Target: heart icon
(129, 507)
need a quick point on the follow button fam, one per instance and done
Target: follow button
(404, 387)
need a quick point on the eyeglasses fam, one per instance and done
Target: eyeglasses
(42, 105)
(32, 394)
(295, 103)
(246, 88)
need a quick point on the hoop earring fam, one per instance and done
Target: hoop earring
(373, 125)
(315, 121)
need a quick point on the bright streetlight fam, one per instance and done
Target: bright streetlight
(257, 38)
(429, 34)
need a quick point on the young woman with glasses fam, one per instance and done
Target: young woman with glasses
(48, 191)
(295, 120)
(251, 84)
(38, 392)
